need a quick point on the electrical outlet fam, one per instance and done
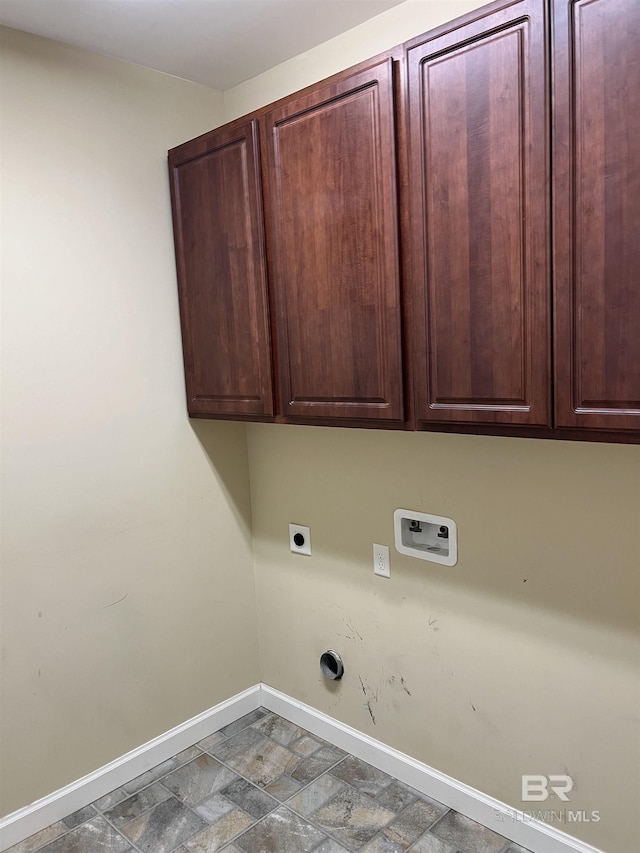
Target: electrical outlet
(381, 565)
(300, 539)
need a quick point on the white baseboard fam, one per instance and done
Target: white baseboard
(532, 834)
(25, 822)
(513, 824)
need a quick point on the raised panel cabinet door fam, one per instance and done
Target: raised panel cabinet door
(479, 277)
(333, 209)
(222, 281)
(596, 53)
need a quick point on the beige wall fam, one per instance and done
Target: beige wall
(380, 33)
(523, 658)
(127, 557)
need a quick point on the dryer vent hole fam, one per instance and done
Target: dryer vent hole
(331, 665)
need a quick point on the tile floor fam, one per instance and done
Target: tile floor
(263, 785)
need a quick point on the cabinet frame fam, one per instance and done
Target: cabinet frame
(435, 357)
(250, 307)
(576, 357)
(387, 408)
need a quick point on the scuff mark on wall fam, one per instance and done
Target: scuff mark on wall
(399, 684)
(370, 695)
(353, 632)
(373, 619)
(113, 603)
(574, 786)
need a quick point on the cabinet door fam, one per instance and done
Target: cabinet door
(219, 238)
(596, 54)
(333, 209)
(479, 219)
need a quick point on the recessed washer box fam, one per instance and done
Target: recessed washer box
(427, 537)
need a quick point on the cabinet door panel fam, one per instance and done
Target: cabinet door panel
(333, 205)
(597, 213)
(479, 219)
(219, 234)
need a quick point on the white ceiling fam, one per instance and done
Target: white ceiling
(216, 42)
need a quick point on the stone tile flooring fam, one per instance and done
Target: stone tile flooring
(264, 785)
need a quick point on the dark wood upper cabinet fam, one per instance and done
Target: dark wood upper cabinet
(468, 139)
(332, 212)
(479, 278)
(219, 237)
(596, 85)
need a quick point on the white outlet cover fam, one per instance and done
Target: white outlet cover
(305, 548)
(381, 566)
